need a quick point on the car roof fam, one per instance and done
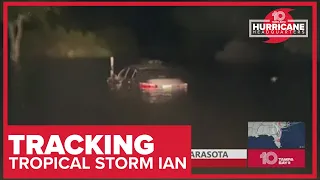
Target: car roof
(148, 67)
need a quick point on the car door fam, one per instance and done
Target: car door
(133, 83)
(121, 78)
(128, 79)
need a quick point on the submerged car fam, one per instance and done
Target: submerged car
(151, 82)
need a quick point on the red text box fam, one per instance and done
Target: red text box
(284, 158)
(170, 155)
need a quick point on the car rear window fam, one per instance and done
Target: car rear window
(157, 73)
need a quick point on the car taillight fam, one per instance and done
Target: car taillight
(184, 86)
(148, 86)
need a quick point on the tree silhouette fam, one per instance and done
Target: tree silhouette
(17, 17)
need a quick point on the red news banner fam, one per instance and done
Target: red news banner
(97, 152)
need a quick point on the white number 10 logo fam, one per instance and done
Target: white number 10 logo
(269, 158)
(278, 15)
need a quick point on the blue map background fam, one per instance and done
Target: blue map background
(292, 137)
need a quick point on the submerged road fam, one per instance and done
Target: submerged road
(218, 107)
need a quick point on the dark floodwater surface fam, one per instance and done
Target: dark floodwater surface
(218, 107)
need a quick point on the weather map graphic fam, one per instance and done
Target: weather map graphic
(273, 135)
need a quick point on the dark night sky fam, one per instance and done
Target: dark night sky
(152, 25)
(183, 34)
(162, 26)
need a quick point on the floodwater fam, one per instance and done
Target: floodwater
(219, 104)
